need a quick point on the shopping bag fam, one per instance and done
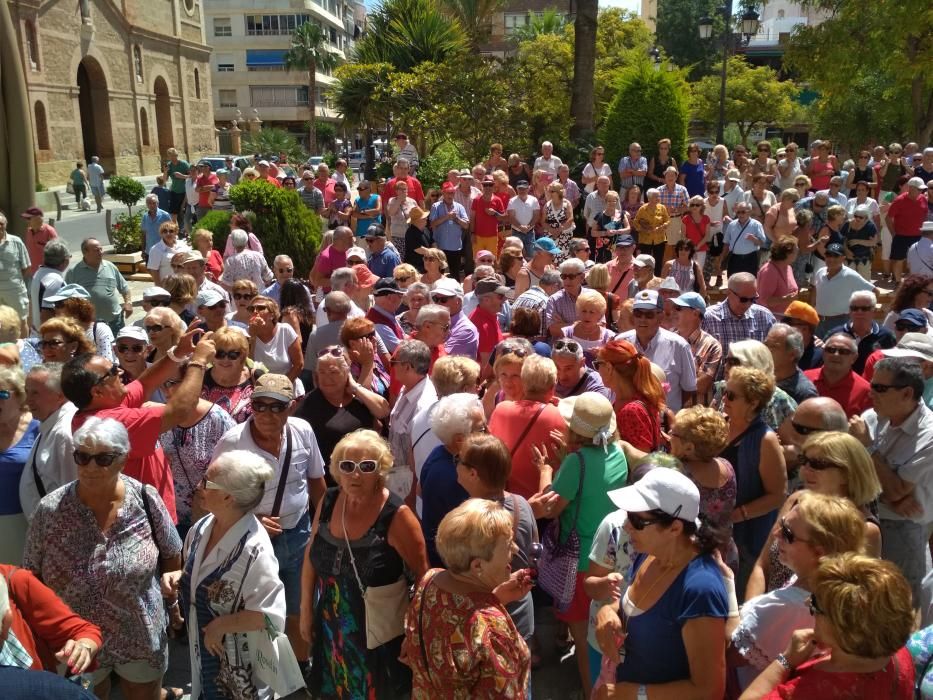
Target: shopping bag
(274, 662)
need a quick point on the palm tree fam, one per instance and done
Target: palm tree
(584, 63)
(309, 53)
(475, 16)
(548, 22)
(405, 33)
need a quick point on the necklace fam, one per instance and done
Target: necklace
(676, 567)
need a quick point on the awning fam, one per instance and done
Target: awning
(265, 57)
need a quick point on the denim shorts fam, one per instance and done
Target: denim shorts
(289, 548)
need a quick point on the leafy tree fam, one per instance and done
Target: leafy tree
(584, 64)
(548, 22)
(863, 42)
(649, 105)
(355, 96)
(217, 222)
(404, 33)
(754, 97)
(309, 52)
(475, 16)
(126, 190)
(539, 77)
(434, 167)
(326, 134)
(272, 140)
(622, 40)
(678, 33)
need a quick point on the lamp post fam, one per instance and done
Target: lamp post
(748, 25)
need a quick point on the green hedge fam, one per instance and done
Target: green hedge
(218, 223)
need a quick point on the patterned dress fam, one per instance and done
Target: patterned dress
(717, 504)
(553, 216)
(463, 646)
(235, 400)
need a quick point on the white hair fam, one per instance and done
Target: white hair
(151, 198)
(53, 375)
(547, 143)
(244, 476)
(239, 238)
(574, 265)
(865, 294)
(846, 338)
(453, 415)
(431, 312)
(103, 432)
(342, 278)
(281, 259)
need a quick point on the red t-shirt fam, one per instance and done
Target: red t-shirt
(508, 421)
(895, 680)
(146, 462)
(273, 180)
(487, 324)
(326, 188)
(908, 214)
(209, 180)
(414, 190)
(853, 393)
(486, 226)
(695, 231)
(869, 371)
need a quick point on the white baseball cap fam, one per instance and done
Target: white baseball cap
(665, 490)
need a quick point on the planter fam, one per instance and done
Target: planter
(127, 263)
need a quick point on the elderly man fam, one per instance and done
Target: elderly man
(336, 306)
(14, 269)
(804, 318)
(561, 309)
(212, 309)
(547, 161)
(742, 240)
(382, 259)
(869, 334)
(786, 345)
(920, 254)
(536, 296)
(573, 376)
(432, 326)
(898, 432)
(410, 364)
(151, 222)
(193, 264)
(103, 281)
(595, 202)
(834, 194)
(632, 168)
(905, 216)
(836, 379)
(387, 298)
(233, 172)
(289, 445)
(343, 279)
(332, 257)
(282, 269)
(92, 383)
(466, 191)
(48, 279)
(523, 212)
(664, 348)
(690, 308)
(919, 348)
(401, 172)
(95, 178)
(406, 149)
(49, 464)
(448, 221)
(675, 198)
(485, 317)
(266, 173)
(571, 188)
(834, 287)
(310, 195)
(245, 264)
(324, 183)
(176, 174)
(464, 337)
(38, 233)
(815, 415)
(621, 267)
(738, 317)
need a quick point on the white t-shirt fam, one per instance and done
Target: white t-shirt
(274, 354)
(832, 294)
(549, 165)
(590, 171)
(51, 281)
(160, 257)
(524, 211)
(873, 209)
(305, 463)
(612, 549)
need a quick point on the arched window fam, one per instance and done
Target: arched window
(138, 63)
(144, 125)
(42, 128)
(32, 45)
(197, 84)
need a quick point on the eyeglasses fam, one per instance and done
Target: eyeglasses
(206, 484)
(114, 371)
(42, 344)
(907, 326)
(159, 302)
(570, 275)
(255, 309)
(366, 466)
(403, 279)
(832, 350)
(731, 361)
(880, 388)
(744, 300)
(155, 328)
(788, 535)
(103, 459)
(228, 354)
(816, 464)
(730, 395)
(568, 345)
(130, 348)
(243, 296)
(520, 353)
(333, 351)
(814, 607)
(271, 406)
(861, 308)
(445, 328)
(307, 179)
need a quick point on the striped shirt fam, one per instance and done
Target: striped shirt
(727, 328)
(675, 200)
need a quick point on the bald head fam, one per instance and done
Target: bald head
(822, 413)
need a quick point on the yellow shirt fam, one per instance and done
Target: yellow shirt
(651, 223)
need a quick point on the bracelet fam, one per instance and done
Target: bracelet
(781, 659)
(174, 358)
(200, 365)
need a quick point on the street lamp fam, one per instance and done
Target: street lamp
(655, 55)
(748, 25)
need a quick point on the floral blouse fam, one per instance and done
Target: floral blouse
(235, 400)
(108, 578)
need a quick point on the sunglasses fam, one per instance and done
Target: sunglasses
(639, 523)
(256, 309)
(333, 351)
(42, 344)
(730, 395)
(880, 388)
(571, 275)
(816, 464)
(806, 429)
(788, 535)
(244, 296)
(130, 348)
(158, 302)
(836, 351)
(744, 300)
(403, 279)
(156, 328)
(206, 484)
(103, 459)
(520, 353)
(570, 345)
(814, 607)
(228, 354)
(861, 308)
(695, 206)
(272, 407)
(114, 371)
(365, 466)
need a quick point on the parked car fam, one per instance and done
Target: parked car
(356, 159)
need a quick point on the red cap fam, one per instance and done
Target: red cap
(448, 187)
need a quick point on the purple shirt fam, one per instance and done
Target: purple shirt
(463, 338)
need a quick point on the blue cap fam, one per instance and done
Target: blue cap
(913, 316)
(691, 300)
(68, 291)
(624, 239)
(835, 249)
(547, 245)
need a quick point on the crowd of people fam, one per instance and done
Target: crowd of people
(687, 421)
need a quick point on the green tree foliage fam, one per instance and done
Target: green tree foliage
(126, 234)
(309, 52)
(754, 97)
(326, 135)
(475, 16)
(679, 36)
(274, 141)
(433, 168)
(404, 33)
(218, 223)
(282, 221)
(649, 105)
(622, 39)
(547, 22)
(869, 44)
(541, 72)
(126, 190)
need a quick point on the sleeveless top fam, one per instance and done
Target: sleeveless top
(555, 216)
(861, 175)
(660, 167)
(822, 173)
(684, 275)
(515, 177)
(744, 454)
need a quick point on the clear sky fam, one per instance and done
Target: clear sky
(631, 5)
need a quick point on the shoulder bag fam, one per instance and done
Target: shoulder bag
(521, 438)
(557, 567)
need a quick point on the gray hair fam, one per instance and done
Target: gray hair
(53, 372)
(281, 258)
(793, 340)
(403, 161)
(239, 238)
(243, 475)
(337, 303)
(547, 143)
(415, 353)
(905, 371)
(564, 351)
(574, 265)
(55, 253)
(342, 278)
(417, 288)
(454, 415)
(653, 191)
(431, 312)
(550, 277)
(481, 272)
(539, 376)
(104, 432)
(742, 278)
(865, 294)
(850, 342)
(151, 198)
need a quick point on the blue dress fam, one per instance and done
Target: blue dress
(12, 463)
(361, 223)
(694, 176)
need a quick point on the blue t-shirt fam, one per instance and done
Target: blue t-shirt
(12, 463)
(694, 176)
(361, 223)
(654, 645)
(383, 264)
(440, 494)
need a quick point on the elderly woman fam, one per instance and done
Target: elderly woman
(132, 350)
(817, 526)
(353, 586)
(417, 294)
(650, 223)
(73, 301)
(229, 582)
(62, 338)
(369, 362)
(506, 385)
(523, 423)
(245, 264)
(754, 451)
(834, 464)
(754, 355)
(777, 287)
(188, 448)
(460, 641)
(107, 532)
(276, 345)
(435, 265)
(202, 240)
(339, 405)
(588, 330)
(163, 328)
(556, 219)
(229, 382)
(183, 290)
(862, 617)
(18, 434)
(598, 278)
(406, 275)
(159, 263)
(242, 293)
(594, 465)
(639, 395)
(398, 210)
(676, 605)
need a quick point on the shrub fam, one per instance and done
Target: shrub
(126, 190)
(218, 223)
(283, 223)
(649, 105)
(126, 233)
(432, 171)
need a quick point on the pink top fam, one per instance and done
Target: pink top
(35, 245)
(772, 282)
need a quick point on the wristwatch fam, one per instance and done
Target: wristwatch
(781, 659)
